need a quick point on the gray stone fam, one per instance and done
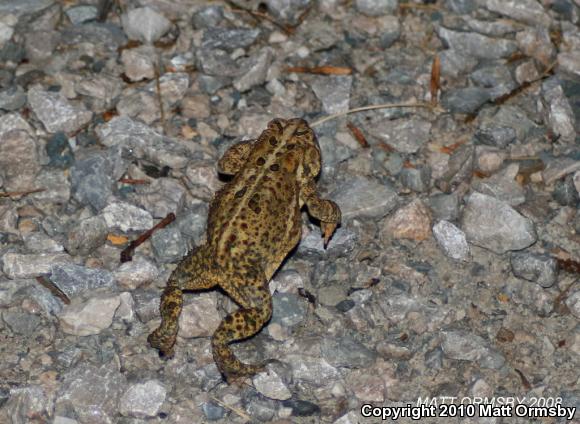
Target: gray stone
(465, 100)
(459, 168)
(573, 303)
(256, 71)
(192, 224)
(537, 298)
(404, 135)
(19, 160)
(21, 322)
(444, 206)
(143, 102)
(8, 217)
(271, 385)
(333, 91)
(477, 45)
(87, 235)
(228, 39)
(207, 16)
(288, 11)
(136, 273)
(144, 142)
(200, 316)
(40, 45)
(342, 241)
(143, 400)
(376, 7)
(92, 182)
(455, 63)
(81, 14)
(218, 63)
(211, 84)
(161, 197)
(569, 63)
(168, 245)
(213, 411)
(497, 80)
(56, 112)
(90, 317)
(26, 401)
(558, 168)
(18, 265)
(541, 269)
(146, 304)
(499, 28)
(494, 225)
(565, 193)
(289, 309)
(35, 294)
(139, 63)
(527, 11)
(74, 280)
(105, 37)
(466, 346)
(536, 43)
(59, 151)
(100, 92)
(462, 7)
(145, 24)
(503, 186)
(92, 393)
(39, 242)
(126, 217)
(451, 240)
(362, 197)
(495, 136)
(24, 7)
(301, 408)
(310, 370)
(12, 98)
(347, 352)
(508, 116)
(559, 114)
(417, 179)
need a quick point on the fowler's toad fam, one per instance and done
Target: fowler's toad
(254, 222)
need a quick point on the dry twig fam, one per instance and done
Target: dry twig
(21, 193)
(45, 282)
(127, 254)
(320, 70)
(376, 107)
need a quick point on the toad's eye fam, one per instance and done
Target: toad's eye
(299, 132)
(278, 124)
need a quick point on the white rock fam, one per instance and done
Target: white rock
(55, 111)
(271, 385)
(145, 24)
(90, 317)
(127, 217)
(200, 318)
(18, 265)
(135, 273)
(451, 240)
(143, 400)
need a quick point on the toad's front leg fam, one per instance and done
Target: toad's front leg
(325, 210)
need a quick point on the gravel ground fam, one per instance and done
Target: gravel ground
(453, 279)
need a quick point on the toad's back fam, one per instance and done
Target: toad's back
(255, 218)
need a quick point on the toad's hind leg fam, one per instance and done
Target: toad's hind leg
(255, 311)
(192, 273)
